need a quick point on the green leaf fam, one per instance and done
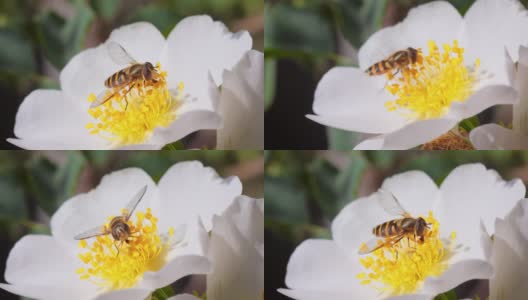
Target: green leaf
(270, 73)
(161, 17)
(163, 293)
(178, 145)
(469, 123)
(12, 202)
(50, 184)
(16, 53)
(451, 295)
(285, 200)
(333, 189)
(293, 28)
(296, 232)
(61, 39)
(339, 139)
(105, 8)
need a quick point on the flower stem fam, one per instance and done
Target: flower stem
(163, 293)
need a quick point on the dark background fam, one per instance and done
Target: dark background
(306, 189)
(38, 37)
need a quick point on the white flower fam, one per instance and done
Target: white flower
(160, 113)
(493, 136)
(241, 105)
(468, 197)
(172, 218)
(508, 253)
(236, 251)
(459, 73)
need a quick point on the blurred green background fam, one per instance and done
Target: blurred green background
(306, 189)
(38, 37)
(304, 39)
(33, 184)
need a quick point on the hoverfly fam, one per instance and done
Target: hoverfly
(125, 79)
(391, 232)
(396, 61)
(118, 226)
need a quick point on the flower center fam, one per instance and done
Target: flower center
(133, 112)
(427, 88)
(115, 265)
(450, 141)
(402, 267)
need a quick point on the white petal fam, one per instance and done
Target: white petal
(85, 211)
(39, 267)
(495, 137)
(189, 189)
(438, 21)
(175, 269)
(492, 25)
(483, 98)
(518, 217)
(86, 72)
(47, 119)
(375, 143)
(412, 297)
(349, 99)
(471, 194)
(130, 294)
(141, 40)
(457, 274)
(417, 133)
(509, 254)
(184, 125)
(359, 217)
(418, 200)
(302, 294)
(184, 297)
(322, 266)
(197, 46)
(248, 218)
(241, 105)
(238, 267)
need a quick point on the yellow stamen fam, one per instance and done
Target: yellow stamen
(150, 105)
(401, 268)
(113, 270)
(426, 89)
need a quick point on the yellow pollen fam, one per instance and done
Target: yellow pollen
(113, 269)
(401, 268)
(427, 88)
(150, 105)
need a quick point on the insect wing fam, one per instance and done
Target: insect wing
(119, 55)
(377, 242)
(390, 204)
(372, 245)
(102, 98)
(132, 204)
(96, 231)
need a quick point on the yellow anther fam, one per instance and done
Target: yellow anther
(426, 89)
(401, 268)
(114, 269)
(150, 105)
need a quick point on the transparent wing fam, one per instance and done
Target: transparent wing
(391, 205)
(131, 206)
(96, 231)
(102, 98)
(119, 55)
(377, 242)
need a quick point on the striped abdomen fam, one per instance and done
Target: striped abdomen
(394, 227)
(124, 76)
(381, 67)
